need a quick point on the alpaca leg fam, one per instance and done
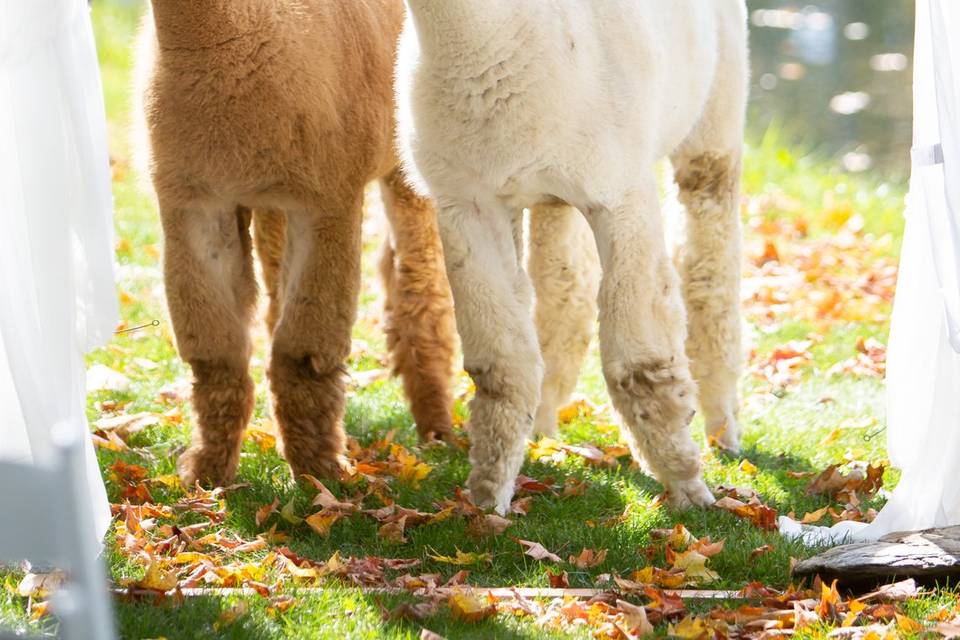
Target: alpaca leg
(420, 325)
(312, 338)
(642, 332)
(710, 266)
(493, 295)
(270, 239)
(566, 276)
(211, 293)
(707, 170)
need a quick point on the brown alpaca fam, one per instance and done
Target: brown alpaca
(278, 113)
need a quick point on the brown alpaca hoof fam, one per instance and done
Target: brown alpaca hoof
(441, 433)
(336, 468)
(209, 468)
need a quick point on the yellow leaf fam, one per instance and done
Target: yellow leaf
(157, 578)
(749, 468)
(463, 559)
(189, 557)
(323, 521)
(575, 409)
(39, 610)
(695, 568)
(833, 435)
(836, 217)
(466, 606)
(815, 516)
(689, 629)
(231, 614)
(546, 448)
(908, 625)
(410, 468)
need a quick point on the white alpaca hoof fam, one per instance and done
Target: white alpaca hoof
(546, 424)
(487, 494)
(683, 494)
(724, 435)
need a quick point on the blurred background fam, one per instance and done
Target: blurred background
(835, 78)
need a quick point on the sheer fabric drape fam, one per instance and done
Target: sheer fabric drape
(57, 295)
(923, 381)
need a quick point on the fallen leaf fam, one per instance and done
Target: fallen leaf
(466, 606)
(538, 552)
(392, 532)
(231, 614)
(102, 378)
(287, 513)
(322, 521)
(266, 511)
(588, 558)
(488, 525)
(635, 619)
(463, 559)
(558, 580)
(749, 468)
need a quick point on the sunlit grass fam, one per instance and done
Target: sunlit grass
(791, 431)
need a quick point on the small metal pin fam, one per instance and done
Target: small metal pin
(873, 434)
(155, 323)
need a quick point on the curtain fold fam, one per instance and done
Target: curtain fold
(923, 379)
(57, 293)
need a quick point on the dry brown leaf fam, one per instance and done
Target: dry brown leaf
(266, 511)
(588, 558)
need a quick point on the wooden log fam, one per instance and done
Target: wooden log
(928, 556)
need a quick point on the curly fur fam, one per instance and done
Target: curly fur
(281, 111)
(506, 105)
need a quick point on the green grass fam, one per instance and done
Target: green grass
(783, 432)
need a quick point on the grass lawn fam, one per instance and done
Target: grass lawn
(819, 277)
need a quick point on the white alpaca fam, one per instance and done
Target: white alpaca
(542, 104)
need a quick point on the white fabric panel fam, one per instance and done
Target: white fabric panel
(923, 379)
(57, 294)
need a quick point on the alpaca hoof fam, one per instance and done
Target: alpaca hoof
(683, 494)
(488, 495)
(545, 424)
(209, 468)
(724, 435)
(323, 468)
(437, 433)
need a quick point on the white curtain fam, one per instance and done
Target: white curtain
(923, 381)
(57, 295)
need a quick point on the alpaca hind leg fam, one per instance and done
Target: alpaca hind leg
(211, 294)
(312, 338)
(270, 239)
(420, 323)
(642, 332)
(707, 170)
(493, 295)
(565, 270)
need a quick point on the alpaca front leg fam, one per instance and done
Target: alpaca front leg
(565, 271)
(710, 264)
(642, 332)
(420, 324)
(312, 338)
(211, 294)
(492, 296)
